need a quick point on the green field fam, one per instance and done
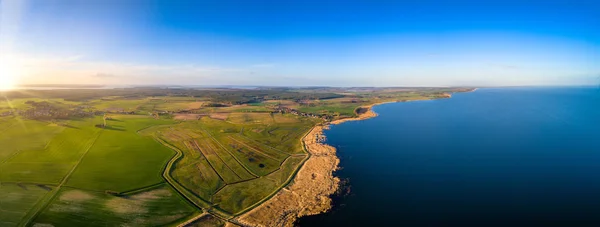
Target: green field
(140, 159)
(328, 108)
(220, 166)
(154, 207)
(76, 154)
(17, 199)
(156, 157)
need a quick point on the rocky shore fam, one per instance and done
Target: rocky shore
(310, 192)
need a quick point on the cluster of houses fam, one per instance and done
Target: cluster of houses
(46, 110)
(7, 113)
(284, 110)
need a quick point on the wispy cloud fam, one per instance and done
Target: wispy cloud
(75, 69)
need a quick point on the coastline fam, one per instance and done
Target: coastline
(310, 191)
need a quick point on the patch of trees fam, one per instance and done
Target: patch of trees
(214, 104)
(362, 110)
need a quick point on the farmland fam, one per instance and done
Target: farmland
(154, 157)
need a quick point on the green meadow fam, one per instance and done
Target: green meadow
(156, 157)
(155, 207)
(221, 166)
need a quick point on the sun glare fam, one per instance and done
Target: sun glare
(8, 77)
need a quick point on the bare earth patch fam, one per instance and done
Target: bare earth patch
(125, 206)
(152, 195)
(219, 116)
(194, 105)
(186, 117)
(136, 204)
(152, 221)
(229, 224)
(76, 196)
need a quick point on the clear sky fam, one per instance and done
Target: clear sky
(309, 42)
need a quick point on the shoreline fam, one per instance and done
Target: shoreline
(311, 190)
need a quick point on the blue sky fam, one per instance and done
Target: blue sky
(326, 42)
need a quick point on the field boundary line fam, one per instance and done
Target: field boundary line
(228, 151)
(176, 185)
(286, 183)
(236, 161)
(211, 165)
(142, 189)
(189, 221)
(220, 158)
(272, 148)
(254, 149)
(276, 191)
(183, 191)
(80, 159)
(304, 128)
(10, 157)
(51, 196)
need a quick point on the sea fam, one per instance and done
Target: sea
(524, 156)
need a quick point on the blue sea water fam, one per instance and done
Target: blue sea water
(493, 157)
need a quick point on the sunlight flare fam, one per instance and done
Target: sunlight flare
(8, 77)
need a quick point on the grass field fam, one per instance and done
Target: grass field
(21, 103)
(251, 118)
(118, 104)
(17, 134)
(331, 108)
(17, 199)
(60, 165)
(155, 207)
(284, 137)
(121, 159)
(224, 167)
(45, 160)
(237, 197)
(86, 157)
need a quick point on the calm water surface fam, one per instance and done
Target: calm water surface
(494, 157)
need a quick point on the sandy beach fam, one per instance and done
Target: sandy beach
(310, 192)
